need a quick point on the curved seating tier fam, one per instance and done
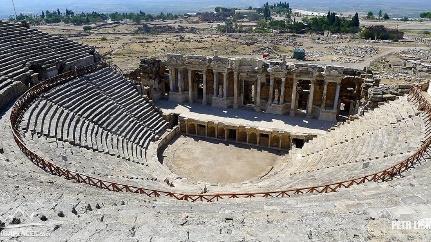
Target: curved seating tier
(378, 140)
(28, 55)
(101, 111)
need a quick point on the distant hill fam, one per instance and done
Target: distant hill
(396, 8)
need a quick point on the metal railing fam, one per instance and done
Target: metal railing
(416, 96)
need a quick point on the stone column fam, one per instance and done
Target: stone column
(215, 84)
(271, 90)
(282, 90)
(258, 138)
(255, 92)
(325, 90)
(180, 81)
(225, 133)
(190, 86)
(337, 95)
(171, 79)
(204, 96)
(310, 100)
(259, 77)
(293, 104)
(225, 85)
(235, 90)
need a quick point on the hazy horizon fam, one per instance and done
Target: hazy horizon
(396, 8)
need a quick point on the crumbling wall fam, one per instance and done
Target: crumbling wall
(150, 76)
(381, 94)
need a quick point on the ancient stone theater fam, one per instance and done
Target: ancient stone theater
(208, 140)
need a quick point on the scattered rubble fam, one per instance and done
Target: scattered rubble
(410, 66)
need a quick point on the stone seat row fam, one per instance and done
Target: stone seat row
(128, 103)
(383, 137)
(357, 128)
(21, 42)
(98, 164)
(381, 143)
(110, 117)
(50, 120)
(113, 85)
(387, 145)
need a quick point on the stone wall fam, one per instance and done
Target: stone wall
(12, 92)
(150, 77)
(381, 94)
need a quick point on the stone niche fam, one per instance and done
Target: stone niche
(268, 139)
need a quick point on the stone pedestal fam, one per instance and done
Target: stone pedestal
(178, 97)
(222, 102)
(278, 108)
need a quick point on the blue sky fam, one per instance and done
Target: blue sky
(396, 7)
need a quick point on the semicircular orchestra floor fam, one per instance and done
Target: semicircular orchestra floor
(216, 162)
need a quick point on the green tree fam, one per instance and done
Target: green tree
(87, 28)
(385, 16)
(380, 14)
(426, 15)
(370, 15)
(355, 20)
(266, 11)
(43, 14)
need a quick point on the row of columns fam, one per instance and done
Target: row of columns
(260, 79)
(217, 93)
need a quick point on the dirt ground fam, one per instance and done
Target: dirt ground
(214, 162)
(122, 45)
